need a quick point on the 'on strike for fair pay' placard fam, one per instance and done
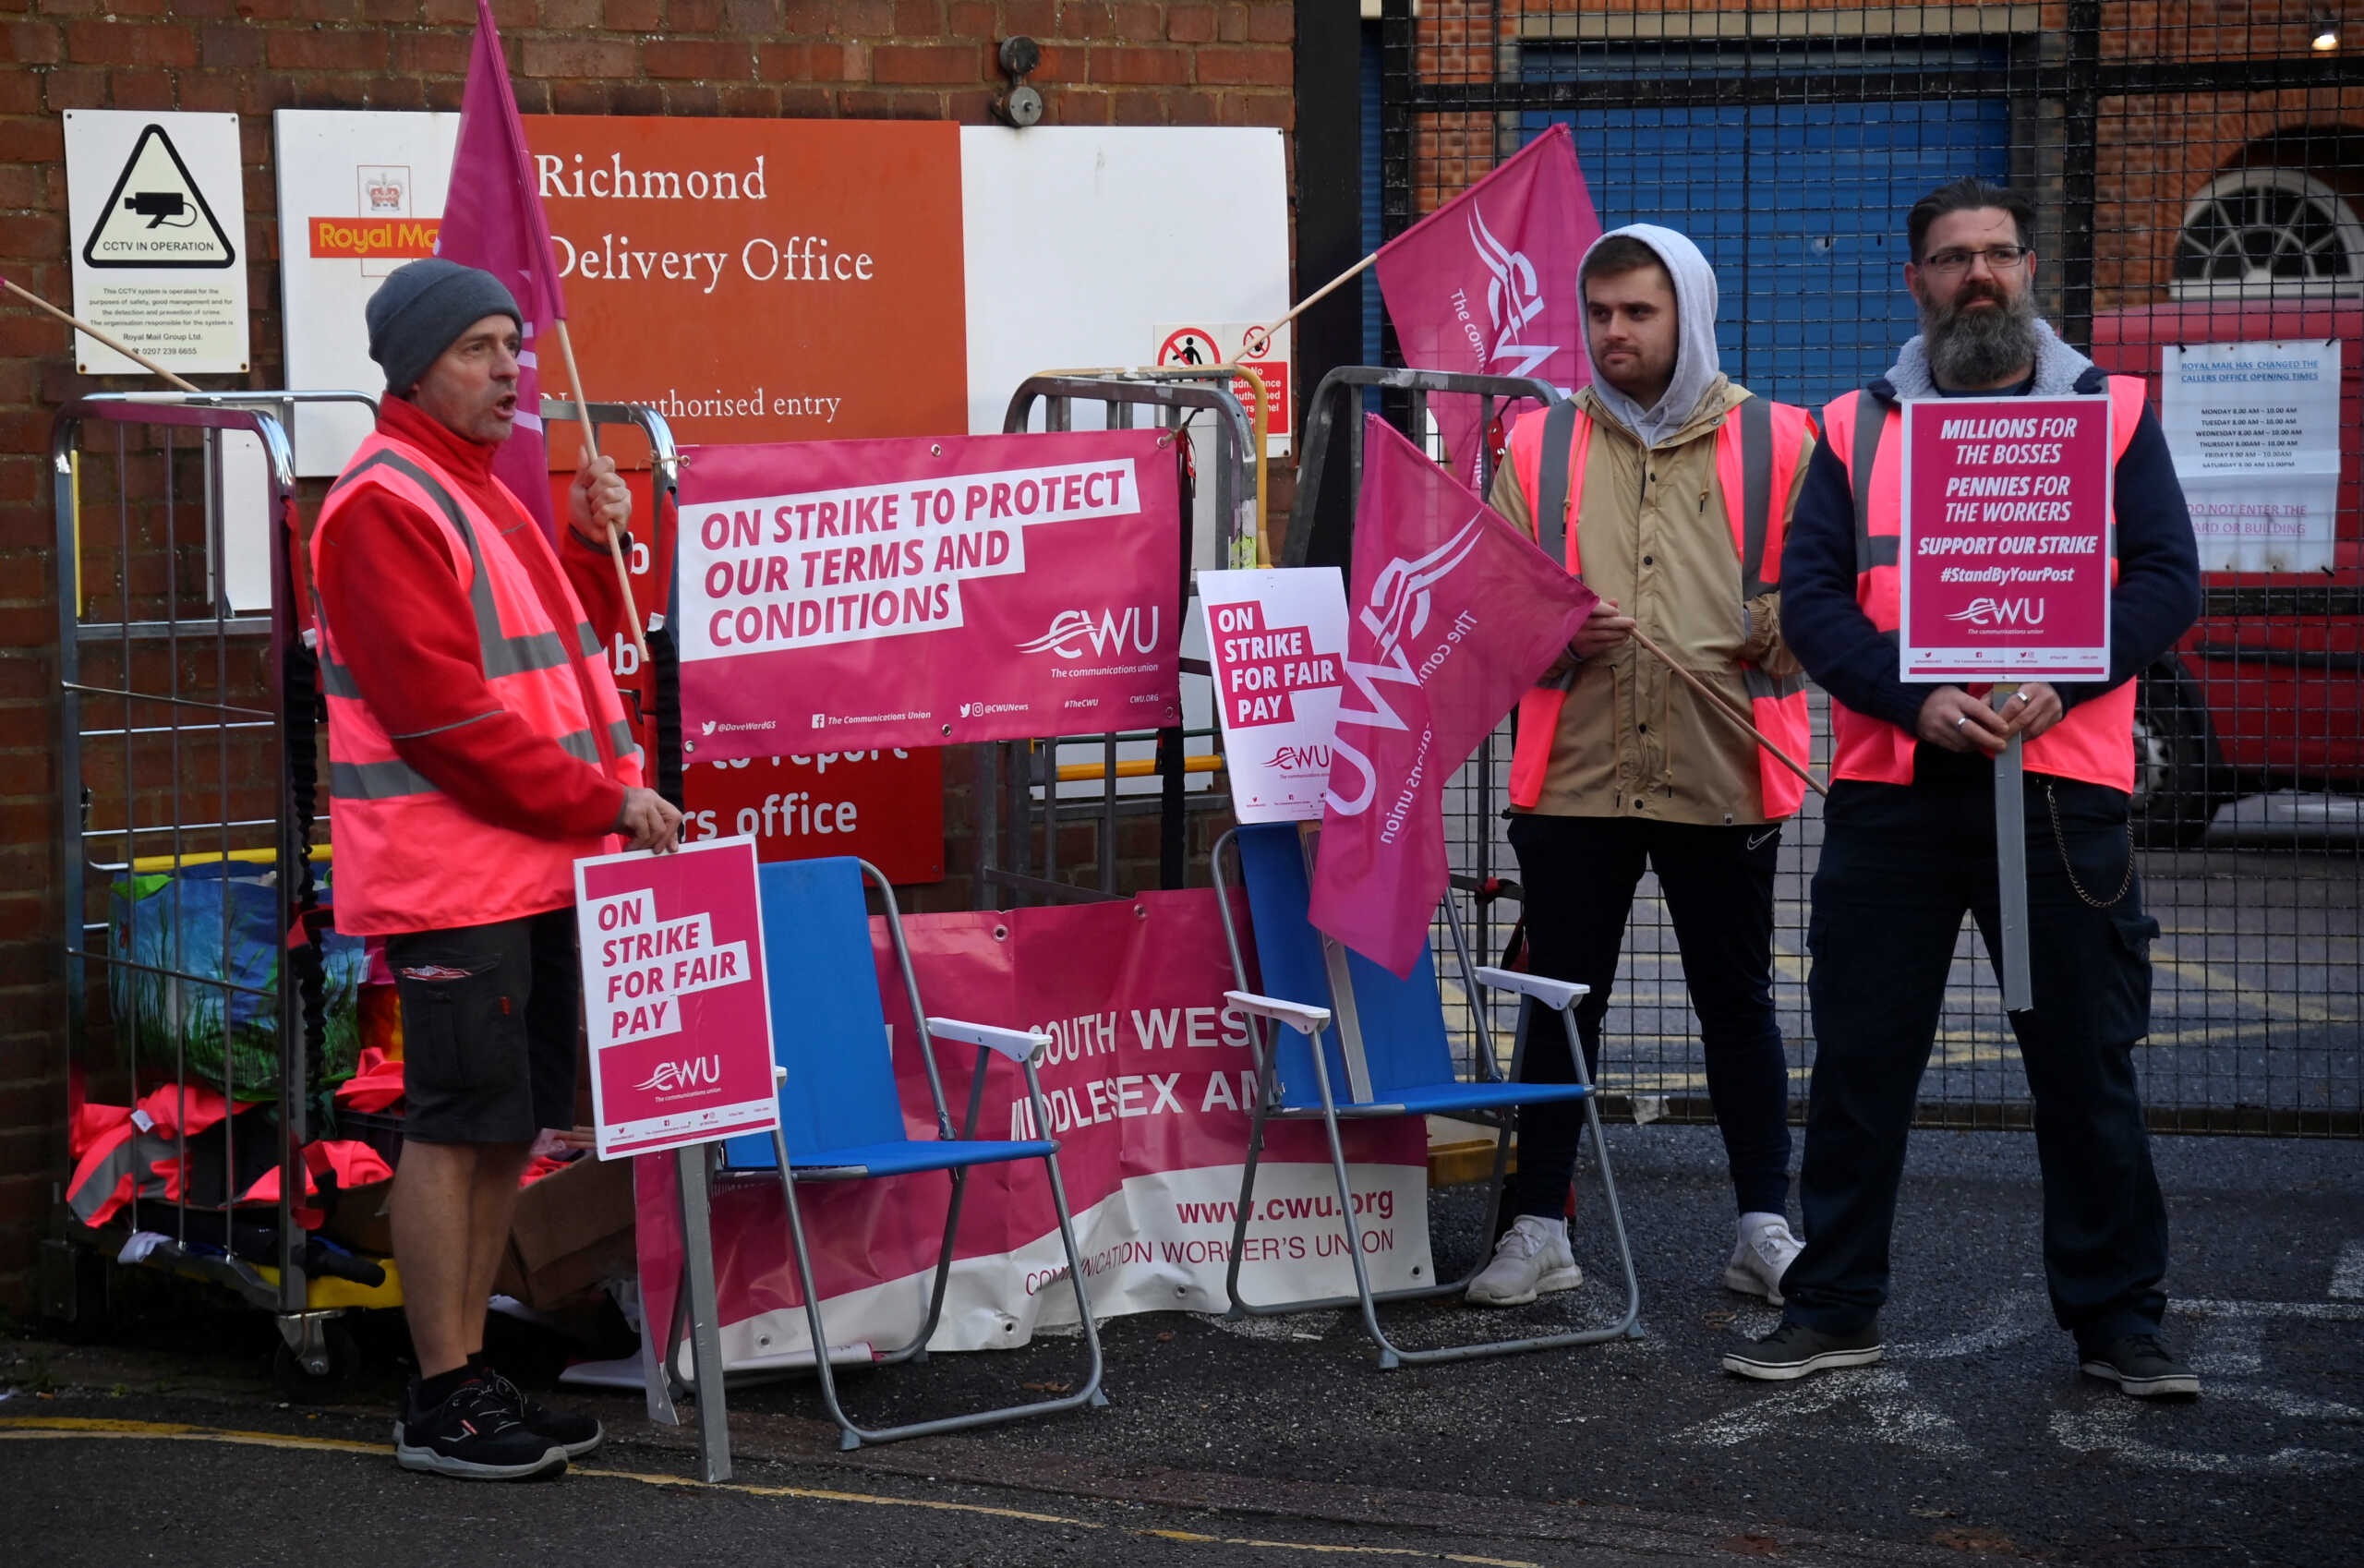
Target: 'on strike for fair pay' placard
(673, 997)
(2004, 544)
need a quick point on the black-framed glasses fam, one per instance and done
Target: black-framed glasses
(1998, 259)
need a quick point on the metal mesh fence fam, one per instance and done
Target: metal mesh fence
(2197, 172)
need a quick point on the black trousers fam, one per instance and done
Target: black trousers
(1579, 874)
(1900, 865)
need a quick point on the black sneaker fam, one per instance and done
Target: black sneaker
(1794, 1350)
(2142, 1367)
(475, 1434)
(578, 1435)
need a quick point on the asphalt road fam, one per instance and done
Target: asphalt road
(1975, 1438)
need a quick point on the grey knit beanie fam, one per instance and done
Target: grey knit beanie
(422, 308)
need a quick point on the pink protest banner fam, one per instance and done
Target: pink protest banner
(1455, 614)
(1485, 284)
(1148, 1080)
(1275, 642)
(673, 997)
(2005, 540)
(846, 596)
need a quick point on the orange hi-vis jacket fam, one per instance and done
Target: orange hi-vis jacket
(408, 856)
(2093, 742)
(1759, 446)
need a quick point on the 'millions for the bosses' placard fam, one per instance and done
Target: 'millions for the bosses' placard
(2004, 547)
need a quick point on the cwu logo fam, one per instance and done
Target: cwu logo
(1074, 635)
(1513, 300)
(1300, 759)
(695, 1073)
(1987, 611)
(1400, 593)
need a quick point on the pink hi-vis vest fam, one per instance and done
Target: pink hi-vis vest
(2095, 742)
(409, 857)
(1757, 449)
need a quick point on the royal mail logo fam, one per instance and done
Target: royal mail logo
(698, 1072)
(1513, 300)
(1986, 611)
(1399, 596)
(1075, 634)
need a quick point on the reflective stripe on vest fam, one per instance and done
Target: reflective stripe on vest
(411, 858)
(1758, 449)
(2093, 744)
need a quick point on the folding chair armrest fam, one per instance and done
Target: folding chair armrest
(1553, 994)
(1018, 1044)
(1296, 1015)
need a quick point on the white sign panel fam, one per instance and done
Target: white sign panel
(360, 194)
(2254, 428)
(157, 216)
(1277, 640)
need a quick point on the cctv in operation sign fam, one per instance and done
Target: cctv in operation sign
(2005, 541)
(157, 210)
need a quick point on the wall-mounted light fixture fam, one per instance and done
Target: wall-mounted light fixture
(2324, 36)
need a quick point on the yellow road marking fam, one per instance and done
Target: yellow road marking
(32, 1428)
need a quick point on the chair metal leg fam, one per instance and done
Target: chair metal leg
(851, 1436)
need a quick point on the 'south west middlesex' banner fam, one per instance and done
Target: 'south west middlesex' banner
(1148, 1080)
(2005, 540)
(852, 594)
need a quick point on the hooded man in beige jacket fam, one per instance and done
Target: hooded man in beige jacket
(1642, 772)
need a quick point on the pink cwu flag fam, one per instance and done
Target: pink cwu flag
(1455, 613)
(1485, 284)
(493, 219)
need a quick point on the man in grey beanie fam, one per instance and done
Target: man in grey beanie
(477, 748)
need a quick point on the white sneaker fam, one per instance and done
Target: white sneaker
(1761, 1255)
(1531, 1259)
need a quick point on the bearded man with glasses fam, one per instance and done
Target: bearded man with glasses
(1909, 835)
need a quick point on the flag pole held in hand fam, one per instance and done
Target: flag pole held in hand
(1722, 704)
(591, 452)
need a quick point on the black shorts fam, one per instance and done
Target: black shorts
(490, 1018)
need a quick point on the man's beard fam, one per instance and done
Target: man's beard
(1975, 348)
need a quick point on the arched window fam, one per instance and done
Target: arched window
(2266, 230)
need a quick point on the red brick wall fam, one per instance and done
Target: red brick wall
(1132, 62)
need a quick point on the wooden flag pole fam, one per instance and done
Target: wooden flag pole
(591, 445)
(93, 332)
(1718, 701)
(1317, 296)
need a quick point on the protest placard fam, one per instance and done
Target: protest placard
(2005, 540)
(1276, 641)
(673, 997)
(855, 595)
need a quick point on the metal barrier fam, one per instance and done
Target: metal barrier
(189, 737)
(1789, 140)
(186, 737)
(1011, 775)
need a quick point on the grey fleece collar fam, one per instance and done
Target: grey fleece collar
(2060, 371)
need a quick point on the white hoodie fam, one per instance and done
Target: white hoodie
(1696, 362)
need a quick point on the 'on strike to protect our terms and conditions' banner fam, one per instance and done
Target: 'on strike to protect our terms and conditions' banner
(927, 591)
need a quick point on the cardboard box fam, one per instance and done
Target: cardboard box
(572, 1229)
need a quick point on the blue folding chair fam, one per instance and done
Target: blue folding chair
(841, 1119)
(1356, 1043)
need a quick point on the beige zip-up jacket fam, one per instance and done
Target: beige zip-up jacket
(1654, 535)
